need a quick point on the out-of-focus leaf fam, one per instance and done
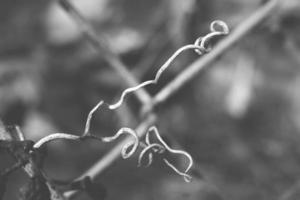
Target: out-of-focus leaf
(286, 18)
(241, 90)
(4, 135)
(37, 125)
(179, 12)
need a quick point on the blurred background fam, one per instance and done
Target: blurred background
(240, 120)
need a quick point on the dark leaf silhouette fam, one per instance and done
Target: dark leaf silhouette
(36, 189)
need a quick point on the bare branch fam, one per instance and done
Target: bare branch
(199, 47)
(196, 67)
(114, 153)
(182, 79)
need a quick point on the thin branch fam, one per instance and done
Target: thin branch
(199, 65)
(177, 83)
(182, 79)
(153, 81)
(114, 153)
(105, 51)
(200, 47)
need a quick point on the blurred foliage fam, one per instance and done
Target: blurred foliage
(239, 120)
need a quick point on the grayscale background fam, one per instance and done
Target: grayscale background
(239, 119)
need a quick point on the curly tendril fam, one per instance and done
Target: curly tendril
(54, 136)
(89, 118)
(155, 147)
(185, 176)
(199, 46)
(134, 144)
(203, 42)
(67, 136)
(161, 148)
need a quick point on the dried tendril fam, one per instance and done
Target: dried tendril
(67, 136)
(155, 147)
(161, 148)
(134, 144)
(199, 46)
